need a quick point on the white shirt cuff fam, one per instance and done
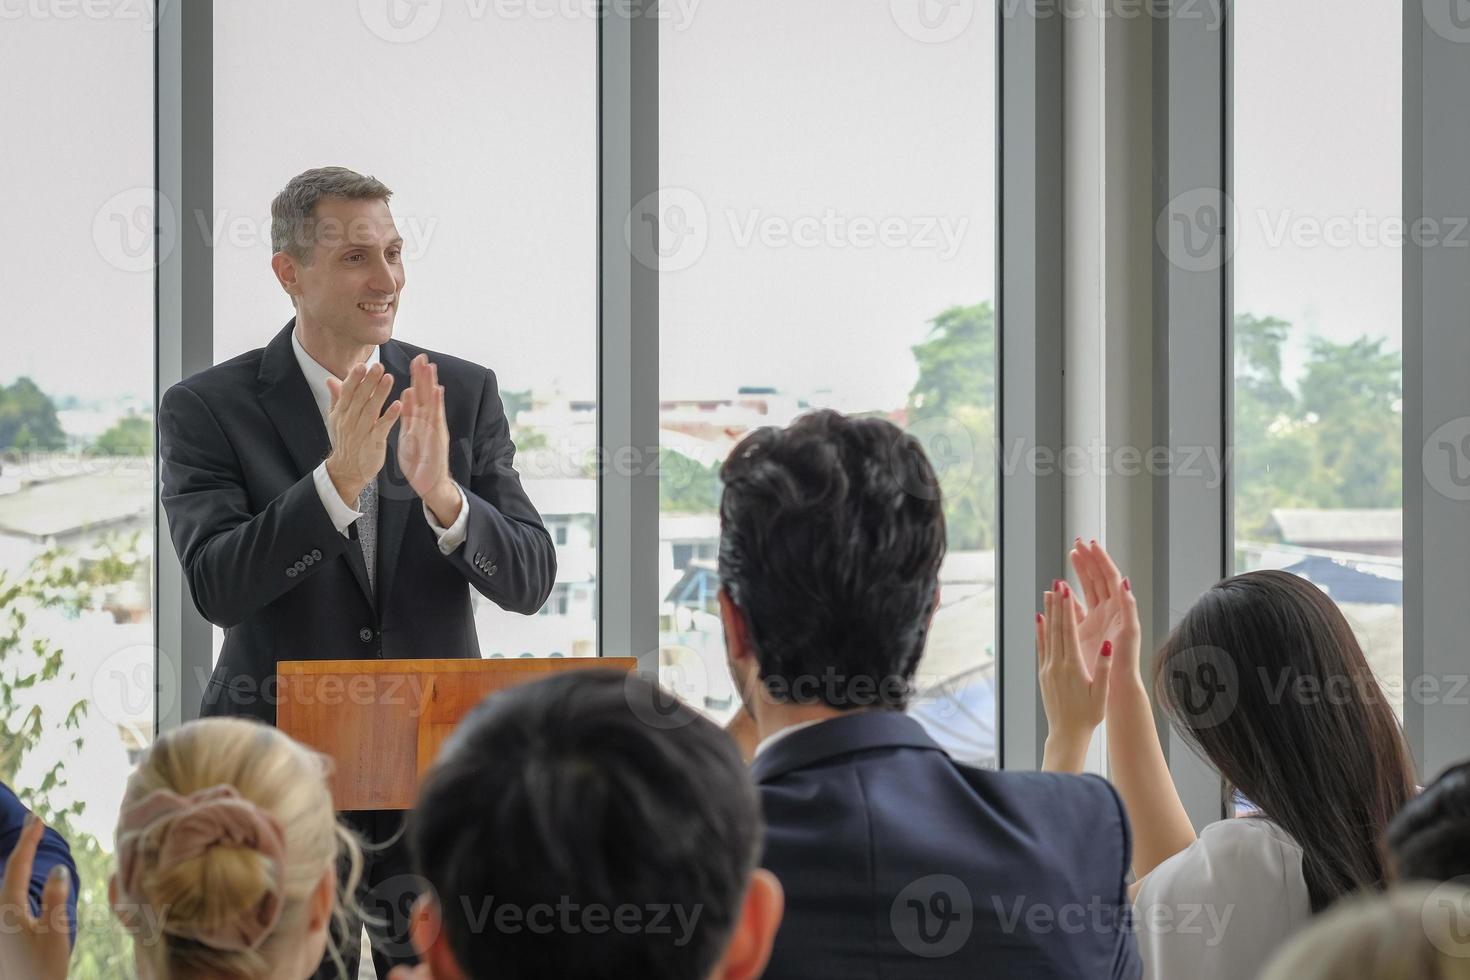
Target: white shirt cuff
(342, 516)
(453, 536)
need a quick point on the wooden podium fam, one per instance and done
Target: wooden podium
(381, 722)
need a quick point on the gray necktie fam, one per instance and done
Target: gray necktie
(367, 531)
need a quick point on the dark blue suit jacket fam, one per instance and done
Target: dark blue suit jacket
(51, 852)
(899, 863)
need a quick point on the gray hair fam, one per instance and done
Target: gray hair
(293, 221)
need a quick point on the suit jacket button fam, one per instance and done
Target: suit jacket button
(492, 569)
(365, 635)
(308, 559)
(316, 553)
(291, 572)
(301, 566)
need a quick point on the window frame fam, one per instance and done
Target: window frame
(1190, 534)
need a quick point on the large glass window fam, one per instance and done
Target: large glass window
(828, 219)
(76, 430)
(482, 118)
(1318, 307)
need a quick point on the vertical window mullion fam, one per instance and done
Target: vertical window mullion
(184, 311)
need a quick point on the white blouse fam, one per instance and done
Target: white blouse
(1221, 907)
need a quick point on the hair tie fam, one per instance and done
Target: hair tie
(209, 818)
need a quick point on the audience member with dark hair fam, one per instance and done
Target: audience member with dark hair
(580, 826)
(1429, 840)
(896, 861)
(37, 895)
(1264, 677)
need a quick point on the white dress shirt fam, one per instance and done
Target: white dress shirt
(1221, 907)
(342, 516)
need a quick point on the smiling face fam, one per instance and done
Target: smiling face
(352, 280)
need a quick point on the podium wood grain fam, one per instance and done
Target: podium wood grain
(381, 722)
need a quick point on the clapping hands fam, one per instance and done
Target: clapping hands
(1080, 642)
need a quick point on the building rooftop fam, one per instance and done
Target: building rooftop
(1385, 525)
(108, 496)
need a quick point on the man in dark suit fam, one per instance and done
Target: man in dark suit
(897, 862)
(313, 524)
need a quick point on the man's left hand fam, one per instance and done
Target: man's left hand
(423, 442)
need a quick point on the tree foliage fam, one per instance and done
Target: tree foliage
(952, 411)
(687, 486)
(53, 581)
(1334, 442)
(132, 435)
(28, 418)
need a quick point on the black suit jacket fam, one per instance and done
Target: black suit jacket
(899, 863)
(238, 443)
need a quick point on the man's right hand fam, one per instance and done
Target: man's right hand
(359, 428)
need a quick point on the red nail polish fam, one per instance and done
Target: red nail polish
(1107, 650)
(1127, 587)
(1038, 618)
(1056, 585)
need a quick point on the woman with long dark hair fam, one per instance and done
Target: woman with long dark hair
(1264, 677)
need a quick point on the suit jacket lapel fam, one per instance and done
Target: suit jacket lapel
(395, 497)
(287, 400)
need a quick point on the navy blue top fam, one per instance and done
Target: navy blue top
(899, 863)
(51, 852)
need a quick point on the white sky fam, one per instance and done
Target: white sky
(1318, 135)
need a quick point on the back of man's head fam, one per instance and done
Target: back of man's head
(583, 826)
(1429, 839)
(831, 536)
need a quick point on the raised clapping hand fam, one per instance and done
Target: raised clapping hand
(1110, 614)
(360, 428)
(423, 445)
(1079, 645)
(37, 948)
(1137, 767)
(1073, 693)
